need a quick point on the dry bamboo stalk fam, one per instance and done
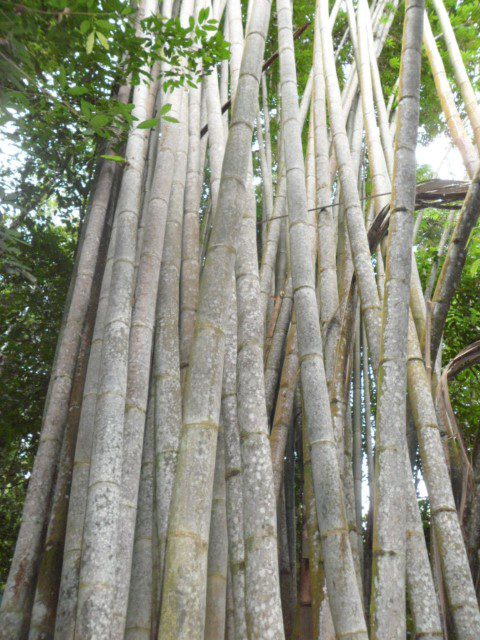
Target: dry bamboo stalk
(389, 549)
(453, 264)
(282, 421)
(66, 610)
(166, 199)
(421, 589)
(262, 598)
(44, 608)
(463, 82)
(267, 187)
(190, 270)
(357, 429)
(456, 571)
(442, 246)
(454, 122)
(140, 604)
(276, 351)
(182, 613)
(316, 570)
(19, 590)
(370, 304)
(233, 472)
(166, 360)
(327, 288)
(337, 553)
(217, 551)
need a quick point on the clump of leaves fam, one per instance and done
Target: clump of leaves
(62, 63)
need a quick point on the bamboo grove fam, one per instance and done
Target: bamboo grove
(238, 400)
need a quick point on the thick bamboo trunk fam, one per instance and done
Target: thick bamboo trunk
(19, 590)
(326, 474)
(44, 609)
(182, 614)
(217, 551)
(233, 472)
(388, 598)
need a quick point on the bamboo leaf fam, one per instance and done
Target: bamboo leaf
(103, 40)
(90, 41)
(118, 159)
(148, 124)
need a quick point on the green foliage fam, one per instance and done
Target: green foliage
(61, 64)
(463, 320)
(16, 460)
(30, 317)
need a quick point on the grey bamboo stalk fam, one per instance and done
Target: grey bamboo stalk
(377, 90)
(269, 253)
(259, 523)
(94, 609)
(262, 597)
(139, 613)
(454, 121)
(368, 417)
(442, 247)
(182, 614)
(458, 581)
(166, 359)
(233, 471)
(346, 460)
(152, 152)
(67, 601)
(285, 568)
(453, 264)
(326, 475)
(381, 30)
(326, 265)
(317, 575)
(267, 187)
(370, 304)
(18, 593)
(389, 550)
(282, 256)
(190, 271)
(167, 193)
(216, 139)
(420, 587)
(266, 120)
(217, 551)
(357, 429)
(42, 621)
(378, 166)
(463, 81)
(276, 351)
(270, 247)
(283, 418)
(230, 620)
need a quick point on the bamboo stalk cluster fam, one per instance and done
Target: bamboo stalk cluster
(210, 463)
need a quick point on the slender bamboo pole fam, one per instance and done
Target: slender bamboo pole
(454, 122)
(454, 260)
(463, 81)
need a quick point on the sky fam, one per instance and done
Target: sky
(444, 159)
